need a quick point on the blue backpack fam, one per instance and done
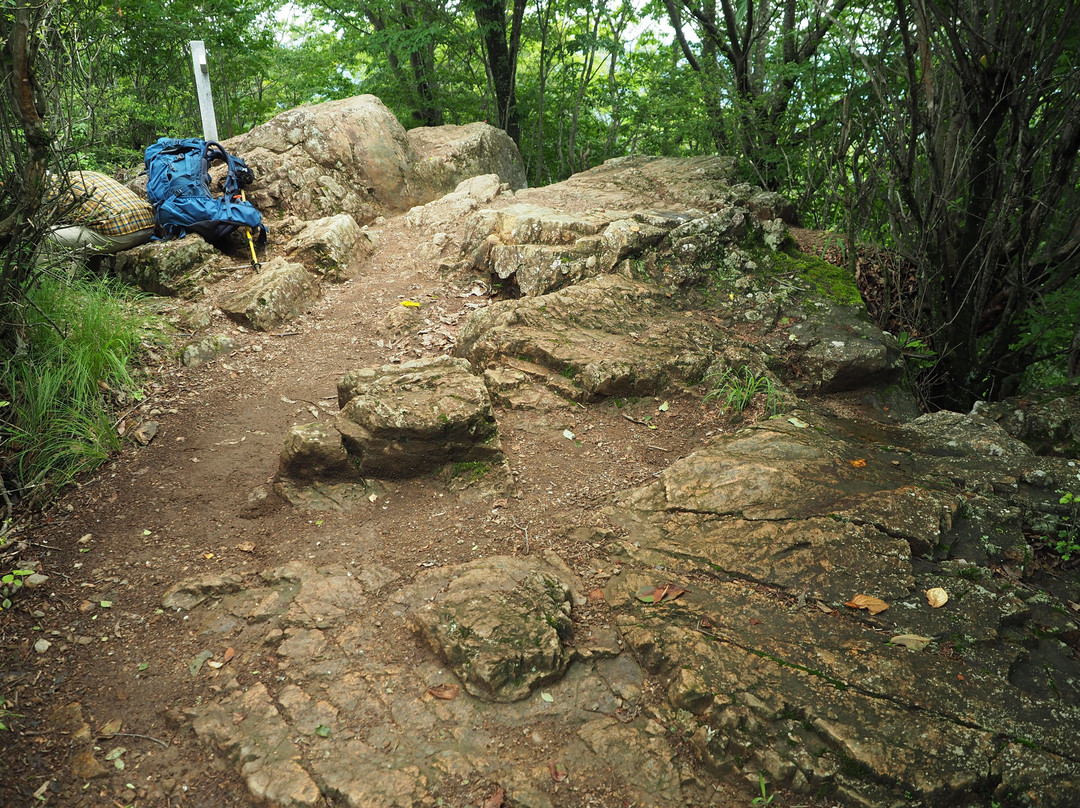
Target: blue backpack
(179, 190)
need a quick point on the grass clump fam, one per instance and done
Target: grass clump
(75, 351)
(735, 390)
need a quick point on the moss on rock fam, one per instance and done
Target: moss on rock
(834, 282)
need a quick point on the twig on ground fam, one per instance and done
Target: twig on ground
(524, 530)
(146, 737)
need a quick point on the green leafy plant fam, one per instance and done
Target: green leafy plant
(6, 713)
(916, 351)
(1067, 542)
(735, 391)
(10, 583)
(765, 798)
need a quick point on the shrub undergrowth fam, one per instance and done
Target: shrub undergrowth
(80, 340)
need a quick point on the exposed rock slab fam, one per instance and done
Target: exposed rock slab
(773, 530)
(608, 336)
(403, 420)
(280, 292)
(502, 624)
(346, 712)
(467, 197)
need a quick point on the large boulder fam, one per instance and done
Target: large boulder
(408, 419)
(449, 155)
(353, 156)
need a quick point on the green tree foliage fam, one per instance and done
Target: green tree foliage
(753, 58)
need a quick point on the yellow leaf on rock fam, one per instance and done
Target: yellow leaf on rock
(859, 463)
(410, 304)
(868, 602)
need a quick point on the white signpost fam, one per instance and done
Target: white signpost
(202, 89)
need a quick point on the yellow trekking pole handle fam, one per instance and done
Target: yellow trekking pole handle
(251, 242)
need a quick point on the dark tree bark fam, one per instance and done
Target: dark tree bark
(501, 55)
(984, 157)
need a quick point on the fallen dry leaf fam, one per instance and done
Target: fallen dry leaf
(596, 594)
(246, 547)
(558, 774)
(111, 728)
(913, 641)
(824, 607)
(937, 597)
(656, 594)
(230, 652)
(446, 691)
(860, 463)
(868, 602)
(496, 799)
(754, 621)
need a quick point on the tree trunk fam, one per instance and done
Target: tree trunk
(501, 58)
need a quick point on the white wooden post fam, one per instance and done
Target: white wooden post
(202, 89)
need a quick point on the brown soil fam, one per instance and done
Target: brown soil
(180, 507)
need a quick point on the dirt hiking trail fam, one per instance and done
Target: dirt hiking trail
(197, 500)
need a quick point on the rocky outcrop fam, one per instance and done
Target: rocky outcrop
(831, 347)
(539, 250)
(332, 247)
(784, 534)
(455, 206)
(609, 336)
(353, 156)
(176, 268)
(404, 420)
(281, 291)
(502, 624)
(1047, 421)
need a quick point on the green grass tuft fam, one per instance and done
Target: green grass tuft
(735, 391)
(80, 340)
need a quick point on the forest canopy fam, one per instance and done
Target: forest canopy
(944, 132)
